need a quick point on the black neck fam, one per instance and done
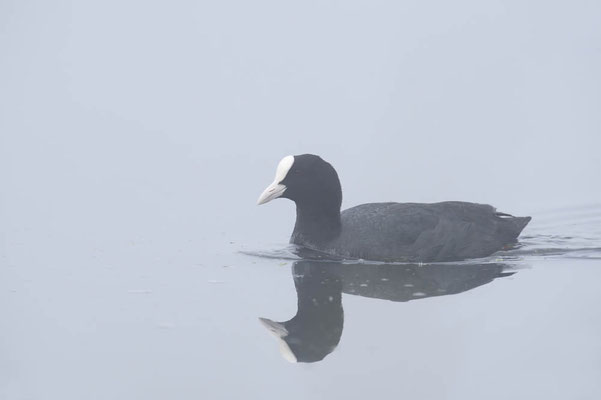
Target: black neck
(316, 225)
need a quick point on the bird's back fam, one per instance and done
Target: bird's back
(415, 232)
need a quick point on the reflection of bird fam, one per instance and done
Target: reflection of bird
(410, 232)
(315, 330)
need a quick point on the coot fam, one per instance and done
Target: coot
(405, 232)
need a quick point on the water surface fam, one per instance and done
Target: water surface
(138, 320)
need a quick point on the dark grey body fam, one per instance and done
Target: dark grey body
(412, 232)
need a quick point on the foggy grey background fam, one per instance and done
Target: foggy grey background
(135, 137)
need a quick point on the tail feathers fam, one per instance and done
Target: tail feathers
(520, 223)
(513, 226)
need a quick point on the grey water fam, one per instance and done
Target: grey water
(170, 312)
(135, 138)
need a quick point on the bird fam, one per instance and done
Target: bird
(387, 231)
